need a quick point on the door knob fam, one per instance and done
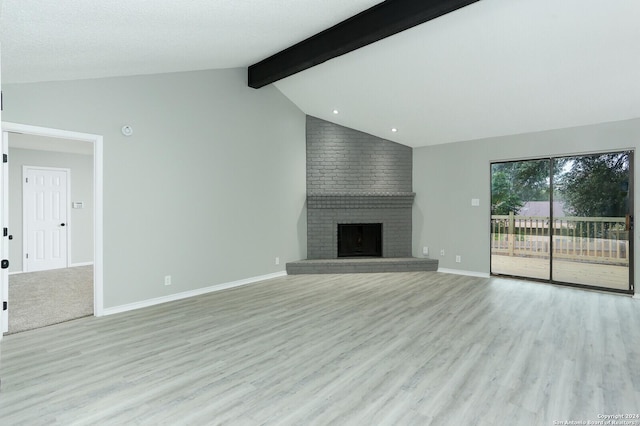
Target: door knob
(62, 224)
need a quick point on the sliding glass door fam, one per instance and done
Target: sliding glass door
(520, 214)
(591, 244)
(564, 220)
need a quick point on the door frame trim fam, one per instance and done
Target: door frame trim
(4, 245)
(98, 248)
(25, 236)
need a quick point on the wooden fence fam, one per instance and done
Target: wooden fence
(589, 239)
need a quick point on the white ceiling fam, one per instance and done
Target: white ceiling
(46, 40)
(497, 67)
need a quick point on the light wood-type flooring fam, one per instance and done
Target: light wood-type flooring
(359, 349)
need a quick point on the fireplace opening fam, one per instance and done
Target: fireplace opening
(360, 239)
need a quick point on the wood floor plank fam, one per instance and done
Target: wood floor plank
(407, 348)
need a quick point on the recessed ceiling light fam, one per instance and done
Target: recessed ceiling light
(394, 130)
(335, 111)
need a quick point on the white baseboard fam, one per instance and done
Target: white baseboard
(190, 293)
(463, 272)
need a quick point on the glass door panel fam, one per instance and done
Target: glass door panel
(592, 220)
(520, 219)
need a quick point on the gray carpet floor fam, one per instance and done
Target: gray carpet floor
(38, 299)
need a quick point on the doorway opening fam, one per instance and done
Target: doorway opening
(84, 208)
(566, 220)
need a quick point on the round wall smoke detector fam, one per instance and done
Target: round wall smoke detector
(127, 130)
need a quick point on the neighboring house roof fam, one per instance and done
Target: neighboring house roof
(541, 208)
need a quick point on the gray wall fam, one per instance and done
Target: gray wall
(446, 178)
(340, 159)
(80, 220)
(209, 189)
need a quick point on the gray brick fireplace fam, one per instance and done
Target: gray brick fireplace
(354, 177)
(357, 178)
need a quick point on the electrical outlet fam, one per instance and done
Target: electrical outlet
(277, 260)
(167, 280)
(458, 258)
(425, 251)
(441, 252)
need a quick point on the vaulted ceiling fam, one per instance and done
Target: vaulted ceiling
(495, 67)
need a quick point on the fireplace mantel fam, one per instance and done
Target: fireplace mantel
(362, 200)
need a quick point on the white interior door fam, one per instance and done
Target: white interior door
(45, 195)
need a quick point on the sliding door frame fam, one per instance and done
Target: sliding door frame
(631, 212)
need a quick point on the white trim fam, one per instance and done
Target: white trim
(25, 236)
(49, 132)
(98, 304)
(463, 272)
(97, 140)
(4, 274)
(4, 245)
(190, 293)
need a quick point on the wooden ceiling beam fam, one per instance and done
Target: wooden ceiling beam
(380, 21)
